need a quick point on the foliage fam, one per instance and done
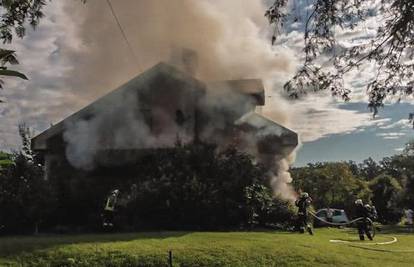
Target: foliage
(369, 169)
(15, 14)
(402, 168)
(8, 57)
(386, 192)
(25, 197)
(193, 187)
(390, 49)
(264, 210)
(5, 160)
(186, 187)
(330, 184)
(387, 184)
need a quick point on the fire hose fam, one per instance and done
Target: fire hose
(362, 246)
(347, 223)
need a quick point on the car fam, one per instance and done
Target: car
(338, 216)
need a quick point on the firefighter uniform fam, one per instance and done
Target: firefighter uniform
(303, 203)
(363, 212)
(109, 209)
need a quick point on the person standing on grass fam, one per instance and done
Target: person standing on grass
(363, 212)
(372, 212)
(109, 209)
(303, 204)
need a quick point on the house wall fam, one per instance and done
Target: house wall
(170, 106)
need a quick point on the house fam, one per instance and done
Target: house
(154, 110)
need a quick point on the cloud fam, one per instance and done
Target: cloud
(401, 124)
(320, 115)
(70, 65)
(45, 98)
(77, 53)
(391, 135)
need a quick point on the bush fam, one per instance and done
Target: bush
(25, 197)
(193, 187)
(188, 187)
(266, 211)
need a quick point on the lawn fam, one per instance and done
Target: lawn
(210, 249)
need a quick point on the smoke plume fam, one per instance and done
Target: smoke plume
(230, 38)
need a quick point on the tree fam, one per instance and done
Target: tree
(369, 169)
(264, 210)
(401, 167)
(8, 57)
(390, 49)
(15, 15)
(5, 160)
(330, 184)
(409, 149)
(386, 196)
(25, 197)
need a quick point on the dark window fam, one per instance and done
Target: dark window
(87, 116)
(337, 213)
(322, 214)
(147, 116)
(179, 117)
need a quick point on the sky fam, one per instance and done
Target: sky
(377, 138)
(77, 54)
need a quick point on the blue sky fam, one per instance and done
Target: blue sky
(376, 141)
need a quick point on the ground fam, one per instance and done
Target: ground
(266, 248)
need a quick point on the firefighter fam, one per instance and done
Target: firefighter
(363, 212)
(372, 212)
(109, 209)
(303, 203)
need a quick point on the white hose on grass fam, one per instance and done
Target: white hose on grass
(393, 240)
(338, 224)
(348, 223)
(362, 245)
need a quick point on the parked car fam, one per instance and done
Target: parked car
(338, 216)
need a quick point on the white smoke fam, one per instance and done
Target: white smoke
(230, 37)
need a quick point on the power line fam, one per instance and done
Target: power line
(123, 33)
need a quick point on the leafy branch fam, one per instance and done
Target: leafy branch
(391, 49)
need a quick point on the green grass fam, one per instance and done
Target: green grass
(208, 249)
(5, 160)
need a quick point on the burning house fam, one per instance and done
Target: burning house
(159, 107)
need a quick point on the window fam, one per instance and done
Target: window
(147, 116)
(322, 214)
(337, 213)
(180, 117)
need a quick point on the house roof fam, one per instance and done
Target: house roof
(162, 69)
(264, 126)
(253, 87)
